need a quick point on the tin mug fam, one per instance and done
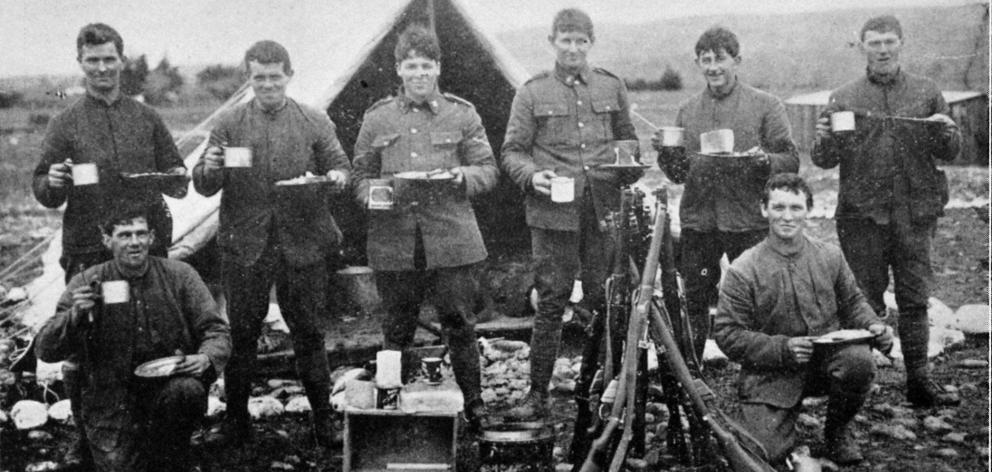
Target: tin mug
(562, 189)
(85, 173)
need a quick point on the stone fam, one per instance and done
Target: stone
(279, 465)
(298, 404)
(276, 383)
(39, 435)
(945, 453)
(563, 467)
(649, 418)
(488, 395)
(29, 414)
(881, 360)
(215, 407)
(972, 319)
(813, 402)
(936, 425)
(44, 466)
(637, 464)
(15, 295)
(60, 411)
(565, 386)
(982, 451)
(652, 457)
(906, 421)
(264, 406)
(3, 417)
(955, 438)
(808, 421)
(894, 431)
(972, 364)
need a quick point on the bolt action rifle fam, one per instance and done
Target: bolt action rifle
(628, 231)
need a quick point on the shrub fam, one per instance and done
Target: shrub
(134, 75)
(9, 98)
(220, 81)
(39, 119)
(163, 84)
(670, 79)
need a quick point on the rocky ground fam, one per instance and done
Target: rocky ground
(893, 436)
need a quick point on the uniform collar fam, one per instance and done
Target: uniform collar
(267, 112)
(884, 79)
(570, 78)
(433, 102)
(720, 96)
(786, 251)
(100, 101)
(129, 274)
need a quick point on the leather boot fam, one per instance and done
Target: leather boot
(476, 416)
(922, 392)
(233, 431)
(839, 442)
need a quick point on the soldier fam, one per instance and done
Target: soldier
(777, 297)
(118, 135)
(430, 238)
(891, 191)
(562, 123)
(719, 211)
(268, 236)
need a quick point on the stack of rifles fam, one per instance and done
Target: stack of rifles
(618, 344)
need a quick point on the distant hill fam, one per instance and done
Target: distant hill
(786, 53)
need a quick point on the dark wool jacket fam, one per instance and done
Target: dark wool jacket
(768, 297)
(889, 164)
(170, 308)
(285, 143)
(122, 137)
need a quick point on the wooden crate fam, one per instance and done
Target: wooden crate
(391, 440)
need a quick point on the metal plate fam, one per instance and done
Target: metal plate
(845, 336)
(162, 367)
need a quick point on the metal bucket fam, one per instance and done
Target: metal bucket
(517, 447)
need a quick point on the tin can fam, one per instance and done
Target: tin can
(387, 398)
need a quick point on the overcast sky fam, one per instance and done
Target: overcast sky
(39, 35)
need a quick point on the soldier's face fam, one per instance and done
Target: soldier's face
(786, 212)
(882, 51)
(129, 243)
(718, 67)
(102, 66)
(419, 75)
(571, 48)
(268, 81)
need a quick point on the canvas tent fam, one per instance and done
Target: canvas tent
(344, 74)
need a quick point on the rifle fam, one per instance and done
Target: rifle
(625, 229)
(626, 387)
(729, 435)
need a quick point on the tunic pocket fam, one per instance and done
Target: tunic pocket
(444, 144)
(553, 123)
(604, 107)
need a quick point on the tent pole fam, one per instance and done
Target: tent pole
(431, 17)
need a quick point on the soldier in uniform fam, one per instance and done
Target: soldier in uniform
(428, 240)
(561, 124)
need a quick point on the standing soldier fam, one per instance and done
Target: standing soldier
(119, 136)
(562, 123)
(719, 209)
(271, 237)
(430, 239)
(891, 192)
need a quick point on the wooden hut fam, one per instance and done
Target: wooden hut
(970, 110)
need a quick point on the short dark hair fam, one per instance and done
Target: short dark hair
(717, 38)
(882, 24)
(123, 215)
(789, 182)
(417, 40)
(572, 20)
(269, 52)
(95, 34)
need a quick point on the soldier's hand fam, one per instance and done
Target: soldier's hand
(83, 301)
(823, 127)
(60, 174)
(802, 348)
(338, 178)
(193, 364)
(213, 158)
(950, 127)
(459, 175)
(883, 337)
(541, 181)
(656, 140)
